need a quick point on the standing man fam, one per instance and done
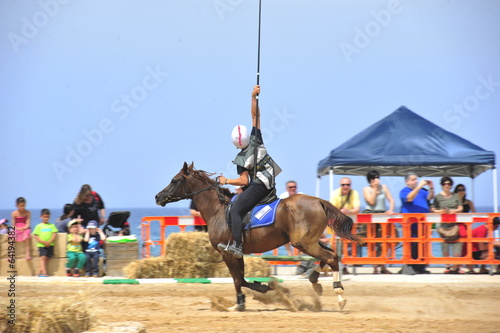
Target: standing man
(291, 189)
(345, 198)
(415, 199)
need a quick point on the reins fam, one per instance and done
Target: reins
(220, 195)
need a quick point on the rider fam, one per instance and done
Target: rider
(259, 185)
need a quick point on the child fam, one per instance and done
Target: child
(45, 234)
(3, 226)
(93, 236)
(74, 252)
(21, 219)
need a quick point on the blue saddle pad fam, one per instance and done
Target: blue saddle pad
(263, 215)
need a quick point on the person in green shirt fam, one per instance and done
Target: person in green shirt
(45, 234)
(74, 249)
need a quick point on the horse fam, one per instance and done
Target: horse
(300, 220)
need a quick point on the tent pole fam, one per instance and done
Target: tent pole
(331, 183)
(473, 189)
(317, 185)
(495, 191)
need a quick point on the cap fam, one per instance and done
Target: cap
(92, 224)
(73, 221)
(3, 221)
(240, 137)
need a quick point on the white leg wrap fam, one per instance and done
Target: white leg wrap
(336, 276)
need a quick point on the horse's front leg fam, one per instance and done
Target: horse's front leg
(237, 269)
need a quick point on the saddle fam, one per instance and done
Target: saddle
(259, 215)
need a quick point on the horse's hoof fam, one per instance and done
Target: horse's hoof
(342, 304)
(318, 288)
(237, 307)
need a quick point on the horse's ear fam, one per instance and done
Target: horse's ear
(191, 167)
(185, 169)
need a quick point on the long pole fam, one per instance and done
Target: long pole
(257, 111)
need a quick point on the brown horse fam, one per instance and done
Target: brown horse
(300, 220)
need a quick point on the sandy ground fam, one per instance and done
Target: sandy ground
(375, 303)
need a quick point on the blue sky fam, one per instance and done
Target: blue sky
(118, 94)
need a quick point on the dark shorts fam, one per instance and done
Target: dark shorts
(477, 255)
(46, 251)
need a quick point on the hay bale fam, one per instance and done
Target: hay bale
(194, 245)
(148, 268)
(257, 267)
(69, 314)
(221, 270)
(191, 255)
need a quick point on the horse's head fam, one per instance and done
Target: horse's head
(178, 187)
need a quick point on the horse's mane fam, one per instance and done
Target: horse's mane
(205, 177)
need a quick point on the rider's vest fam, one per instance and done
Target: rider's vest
(267, 169)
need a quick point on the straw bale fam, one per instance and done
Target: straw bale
(191, 255)
(195, 245)
(69, 314)
(257, 267)
(221, 270)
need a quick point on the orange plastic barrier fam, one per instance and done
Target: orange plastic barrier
(388, 241)
(423, 240)
(164, 221)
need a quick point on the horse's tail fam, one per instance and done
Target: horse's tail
(339, 222)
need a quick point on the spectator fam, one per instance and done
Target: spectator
(3, 226)
(347, 201)
(74, 250)
(93, 237)
(291, 189)
(375, 196)
(88, 205)
(62, 222)
(447, 202)
(45, 234)
(345, 198)
(415, 199)
(467, 205)
(21, 221)
(194, 212)
(480, 249)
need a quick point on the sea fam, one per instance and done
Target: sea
(136, 215)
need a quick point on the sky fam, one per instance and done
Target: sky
(119, 93)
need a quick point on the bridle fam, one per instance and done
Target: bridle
(215, 185)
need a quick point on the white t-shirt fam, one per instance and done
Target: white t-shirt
(285, 194)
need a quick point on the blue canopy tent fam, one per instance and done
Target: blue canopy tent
(403, 142)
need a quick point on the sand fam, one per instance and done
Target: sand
(393, 303)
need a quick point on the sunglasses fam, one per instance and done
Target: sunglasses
(345, 184)
(461, 190)
(376, 177)
(449, 184)
(292, 186)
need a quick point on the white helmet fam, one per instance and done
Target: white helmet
(240, 137)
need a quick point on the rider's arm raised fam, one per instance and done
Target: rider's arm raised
(255, 108)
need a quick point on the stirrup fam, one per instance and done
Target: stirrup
(223, 247)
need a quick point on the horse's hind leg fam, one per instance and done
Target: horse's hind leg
(326, 256)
